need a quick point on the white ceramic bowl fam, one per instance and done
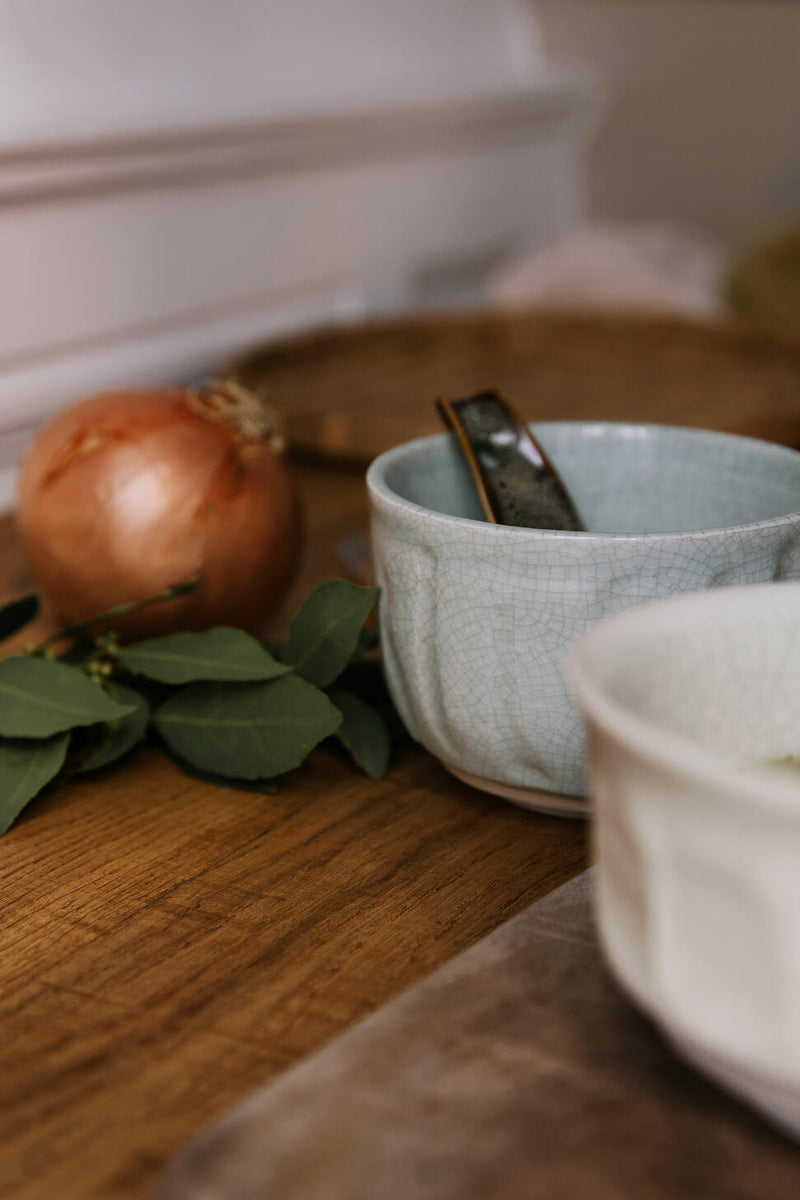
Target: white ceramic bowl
(697, 842)
(476, 619)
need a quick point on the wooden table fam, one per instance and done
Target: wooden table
(166, 946)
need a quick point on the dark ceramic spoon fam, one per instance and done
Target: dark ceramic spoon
(517, 483)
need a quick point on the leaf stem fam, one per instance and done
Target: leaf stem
(120, 610)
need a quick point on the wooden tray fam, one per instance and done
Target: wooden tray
(353, 392)
(516, 1072)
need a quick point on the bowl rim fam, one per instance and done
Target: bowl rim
(738, 780)
(379, 489)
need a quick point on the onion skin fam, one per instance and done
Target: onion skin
(127, 493)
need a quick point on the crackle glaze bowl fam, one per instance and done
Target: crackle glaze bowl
(477, 619)
(697, 838)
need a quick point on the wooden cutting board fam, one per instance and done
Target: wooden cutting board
(517, 1071)
(353, 392)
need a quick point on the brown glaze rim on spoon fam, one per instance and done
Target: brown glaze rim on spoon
(450, 416)
(534, 453)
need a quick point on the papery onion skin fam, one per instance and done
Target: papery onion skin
(129, 492)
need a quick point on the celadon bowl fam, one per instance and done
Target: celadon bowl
(476, 619)
(697, 840)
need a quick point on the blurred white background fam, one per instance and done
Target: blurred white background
(702, 120)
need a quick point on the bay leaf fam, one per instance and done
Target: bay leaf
(363, 732)
(18, 614)
(123, 733)
(267, 787)
(247, 730)
(25, 768)
(223, 654)
(326, 629)
(40, 697)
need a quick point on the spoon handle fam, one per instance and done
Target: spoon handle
(516, 482)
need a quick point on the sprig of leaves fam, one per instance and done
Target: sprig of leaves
(224, 706)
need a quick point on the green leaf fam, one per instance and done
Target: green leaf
(40, 697)
(223, 654)
(25, 768)
(267, 787)
(247, 730)
(363, 732)
(123, 733)
(325, 630)
(18, 614)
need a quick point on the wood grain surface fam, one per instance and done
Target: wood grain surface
(166, 946)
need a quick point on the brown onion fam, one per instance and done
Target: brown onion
(125, 494)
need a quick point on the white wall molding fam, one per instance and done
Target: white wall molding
(39, 173)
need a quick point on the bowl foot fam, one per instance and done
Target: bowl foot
(552, 803)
